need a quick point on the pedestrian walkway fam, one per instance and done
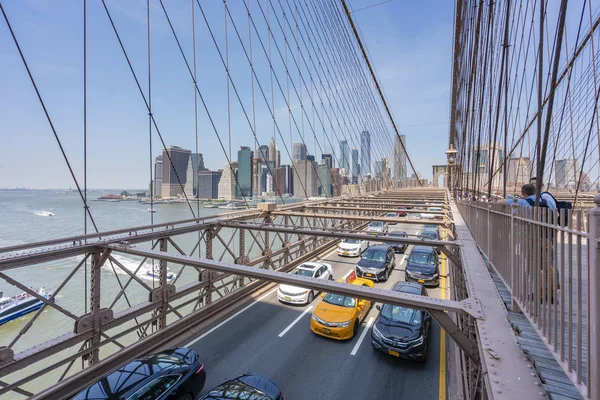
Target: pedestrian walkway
(556, 383)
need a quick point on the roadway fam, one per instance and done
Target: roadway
(274, 339)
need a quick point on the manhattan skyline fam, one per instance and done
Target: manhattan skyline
(118, 153)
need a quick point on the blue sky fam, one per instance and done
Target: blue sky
(410, 46)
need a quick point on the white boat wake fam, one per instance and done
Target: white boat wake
(146, 271)
(44, 213)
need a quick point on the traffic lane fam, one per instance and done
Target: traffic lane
(250, 342)
(307, 366)
(238, 346)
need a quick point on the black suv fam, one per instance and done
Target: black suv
(430, 233)
(401, 331)
(398, 247)
(377, 263)
(423, 266)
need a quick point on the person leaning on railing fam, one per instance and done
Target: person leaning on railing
(528, 192)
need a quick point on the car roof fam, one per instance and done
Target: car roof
(429, 229)
(310, 266)
(394, 233)
(408, 287)
(422, 249)
(128, 378)
(379, 247)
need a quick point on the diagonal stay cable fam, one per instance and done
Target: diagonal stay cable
(62, 150)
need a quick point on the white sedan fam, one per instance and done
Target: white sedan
(297, 295)
(352, 247)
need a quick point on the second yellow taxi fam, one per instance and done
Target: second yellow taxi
(337, 316)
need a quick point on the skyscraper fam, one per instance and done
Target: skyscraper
(244, 174)
(299, 152)
(227, 186)
(400, 172)
(278, 159)
(158, 175)
(344, 155)
(365, 156)
(310, 157)
(324, 181)
(378, 169)
(328, 160)
(263, 153)
(566, 172)
(336, 182)
(208, 184)
(174, 172)
(273, 152)
(279, 181)
(305, 179)
(355, 169)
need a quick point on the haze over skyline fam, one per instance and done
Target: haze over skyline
(409, 45)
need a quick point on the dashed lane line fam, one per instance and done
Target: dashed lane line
(270, 292)
(362, 337)
(283, 332)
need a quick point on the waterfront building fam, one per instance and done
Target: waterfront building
(227, 187)
(305, 179)
(244, 172)
(365, 156)
(158, 176)
(208, 184)
(174, 171)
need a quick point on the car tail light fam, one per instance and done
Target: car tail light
(200, 369)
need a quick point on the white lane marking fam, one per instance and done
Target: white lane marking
(362, 336)
(283, 332)
(230, 318)
(403, 259)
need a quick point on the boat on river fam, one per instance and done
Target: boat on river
(13, 307)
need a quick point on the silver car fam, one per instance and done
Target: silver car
(377, 228)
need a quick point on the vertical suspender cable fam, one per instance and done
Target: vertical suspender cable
(85, 272)
(150, 125)
(196, 123)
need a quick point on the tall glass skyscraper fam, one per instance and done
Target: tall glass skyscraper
(354, 166)
(345, 155)
(299, 152)
(244, 173)
(365, 156)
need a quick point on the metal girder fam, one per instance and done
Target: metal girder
(371, 208)
(358, 217)
(429, 304)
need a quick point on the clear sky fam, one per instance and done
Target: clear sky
(410, 45)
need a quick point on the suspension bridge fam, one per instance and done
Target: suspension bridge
(516, 311)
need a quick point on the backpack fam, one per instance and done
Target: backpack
(560, 205)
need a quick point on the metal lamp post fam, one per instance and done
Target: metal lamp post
(451, 158)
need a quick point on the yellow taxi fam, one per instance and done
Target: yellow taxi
(338, 316)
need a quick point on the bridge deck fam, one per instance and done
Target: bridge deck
(321, 367)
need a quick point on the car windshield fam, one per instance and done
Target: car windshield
(302, 272)
(351, 241)
(376, 224)
(374, 255)
(422, 258)
(338, 300)
(402, 315)
(390, 214)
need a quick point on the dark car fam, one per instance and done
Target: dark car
(430, 233)
(423, 266)
(392, 215)
(402, 213)
(247, 386)
(397, 247)
(377, 263)
(401, 331)
(176, 373)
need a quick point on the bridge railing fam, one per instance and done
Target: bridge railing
(543, 259)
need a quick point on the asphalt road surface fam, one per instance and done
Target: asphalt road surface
(274, 339)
